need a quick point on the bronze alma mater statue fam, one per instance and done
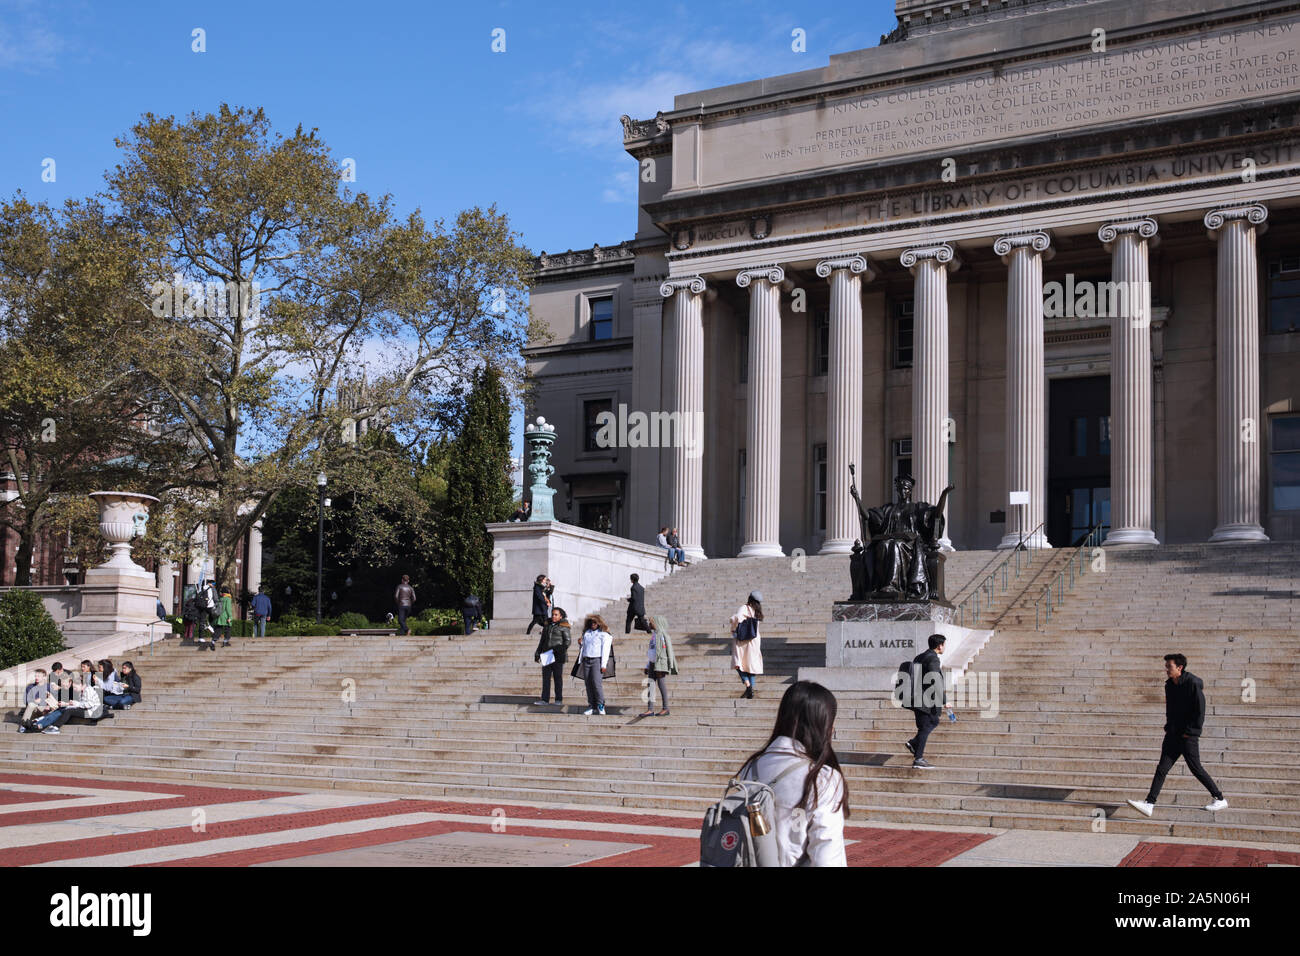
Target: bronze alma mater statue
(901, 560)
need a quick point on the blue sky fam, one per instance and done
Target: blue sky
(412, 91)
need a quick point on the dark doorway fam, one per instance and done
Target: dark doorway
(1078, 458)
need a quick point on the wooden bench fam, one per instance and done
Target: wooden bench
(367, 631)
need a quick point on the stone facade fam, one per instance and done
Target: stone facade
(894, 261)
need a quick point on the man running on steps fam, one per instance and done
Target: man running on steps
(1184, 717)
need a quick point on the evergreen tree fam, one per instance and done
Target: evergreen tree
(478, 488)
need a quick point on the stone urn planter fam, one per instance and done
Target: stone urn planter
(123, 516)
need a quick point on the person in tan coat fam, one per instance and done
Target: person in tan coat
(747, 655)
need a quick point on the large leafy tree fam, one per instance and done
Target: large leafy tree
(76, 414)
(479, 490)
(276, 292)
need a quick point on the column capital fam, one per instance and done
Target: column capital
(1145, 228)
(1254, 213)
(942, 253)
(854, 263)
(1040, 242)
(772, 273)
(677, 283)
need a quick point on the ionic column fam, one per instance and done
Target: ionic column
(930, 266)
(1130, 382)
(763, 442)
(686, 474)
(1026, 384)
(254, 557)
(1237, 370)
(843, 398)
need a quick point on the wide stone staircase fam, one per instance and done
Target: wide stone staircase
(1075, 730)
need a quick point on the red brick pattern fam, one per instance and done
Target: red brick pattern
(876, 847)
(1195, 854)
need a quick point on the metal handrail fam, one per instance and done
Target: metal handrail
(990, 582)
(1090, 540)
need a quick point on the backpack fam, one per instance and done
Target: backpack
(727, 837)
(907, 685)
(746, 630)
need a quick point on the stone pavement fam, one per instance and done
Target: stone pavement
(48, 820)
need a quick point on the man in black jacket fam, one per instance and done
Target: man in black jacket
(636, 607)
(1184, 718)
(933, 700)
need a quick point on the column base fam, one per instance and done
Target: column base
(761, 549)
(837, 546)
(1130, 536)
(1238, 531)
(695, 554)
(1037, 541)
(945, 544)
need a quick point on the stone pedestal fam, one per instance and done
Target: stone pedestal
(866, 642)
(113, 601)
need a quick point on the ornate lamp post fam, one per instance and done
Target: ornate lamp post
(320, 538)
(541, 436)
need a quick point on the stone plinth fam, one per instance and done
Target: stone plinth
(113, 601)
(864, 654)
(589, 569)
(934, 611)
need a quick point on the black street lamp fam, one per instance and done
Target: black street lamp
(320, 539)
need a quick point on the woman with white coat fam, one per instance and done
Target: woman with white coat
(747, 655)
(593, 657)
(810, 797)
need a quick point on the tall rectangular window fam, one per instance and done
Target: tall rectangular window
(590, 412)
(903, 329)
(602, 318)
(819, 486)
(1284, 462)
(902, 455)
(821, 342)
(1284, 294)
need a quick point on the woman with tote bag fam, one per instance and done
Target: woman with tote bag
(746, 644)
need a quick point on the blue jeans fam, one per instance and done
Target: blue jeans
(53, 717)
(120, 700)
(747, 678)
(402, 611)
(259, 625)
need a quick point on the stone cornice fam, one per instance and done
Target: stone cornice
(1230, 130)
(597, 258)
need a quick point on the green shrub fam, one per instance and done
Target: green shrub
(27, 632)
(440, 616)
(300, 627)
(351, 619)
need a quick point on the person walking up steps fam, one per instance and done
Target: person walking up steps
(746, 644)
(660, 662)
(555, 640)
(597, 645)
(405, 598)
(636, 606)
(810, 796)
(933, 702)
(1184, 719)
(261, 609)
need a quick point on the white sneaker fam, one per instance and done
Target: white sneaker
(50, 730)
(541, 703)
(1220, 804)
(588, 712)
(1142, 807)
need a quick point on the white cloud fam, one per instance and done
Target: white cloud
(26, 42)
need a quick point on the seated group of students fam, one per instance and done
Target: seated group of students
(54, 698)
